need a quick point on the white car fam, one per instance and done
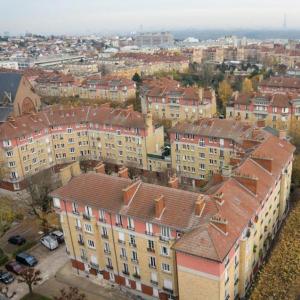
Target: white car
(49, 242)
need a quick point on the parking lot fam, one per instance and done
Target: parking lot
(49, 263)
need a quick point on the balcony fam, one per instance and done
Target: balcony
(164, 239)
(75, 212)
(130, 228)
(152, 266)
(123, 257)
(137, 276)
(104, 236)
(135, 261)
(106, 251)
(102, 220)
(125, 272)
(83, 258)
(151, 250)
(94, 266)
(86, 217)
(121, 242)
(168, 290)
(78, 228)
(133, 245)
(119, 224)
(109, 267)
(81, 242)
(154, 282)
(149, 233)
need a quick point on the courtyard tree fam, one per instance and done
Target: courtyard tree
(30, 277)
(225, 92)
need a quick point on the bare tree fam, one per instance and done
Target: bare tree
(71, 294)
(39, 202)
(31, 277)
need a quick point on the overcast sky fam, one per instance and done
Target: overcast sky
(90, 16)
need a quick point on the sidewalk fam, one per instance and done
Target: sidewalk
(101, 290)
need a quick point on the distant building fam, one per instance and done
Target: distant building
(17, 96)
(154, 39)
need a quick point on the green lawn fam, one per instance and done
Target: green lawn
(35, 296)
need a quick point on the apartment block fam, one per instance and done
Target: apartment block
(280, 85)
(166, 99)
(175, 244)
(206, 147)
(280, 110)
(58, 135)
(107, 88)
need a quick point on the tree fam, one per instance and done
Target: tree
(39, 202)
(71, 294)
(31, 277)
(225, 92)
(137, 78)
(247, 86)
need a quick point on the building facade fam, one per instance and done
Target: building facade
(32, 143)
(165, 99)
(175, 244)
(280, 110)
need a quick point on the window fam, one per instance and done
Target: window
(132, 240)
(166, 267)
(164, 251)
(9, 153)
(88, 228)
(69, 130)
(154, 277)
(118, 220)
(78, 224)
(104, 232)
(91, 244)
(165, 232)
(123, 253)
(152, 262)
(121, 237)
(149, 229)
(150, 245)
(134, 256)
(56, 202)
(101, 215)
(88, 211)
(130, 223)
(125, 269)
(106, 247)
(168, 284)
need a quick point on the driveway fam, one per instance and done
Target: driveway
(49, 263)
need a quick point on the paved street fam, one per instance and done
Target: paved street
(49, 263)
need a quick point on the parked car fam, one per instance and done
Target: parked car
(49, 242)
(26, 259)
(58, 235)
(15, 267)
(6, 277)
(17, 240)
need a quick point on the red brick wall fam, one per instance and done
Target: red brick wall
(120, 280)
(133, 284)
(105, 275)
(147, 290)
(93, 271)
(77, 264)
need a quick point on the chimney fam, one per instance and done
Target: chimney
(282, 134)
(129, 192)
(220, 223)
(159, 206)
(219, 198)
(265, 162)
(247, 181)
(173, 182)
(199, 206)
(123, 172)
(100, 168)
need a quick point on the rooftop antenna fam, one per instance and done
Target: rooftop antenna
(284, 21)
